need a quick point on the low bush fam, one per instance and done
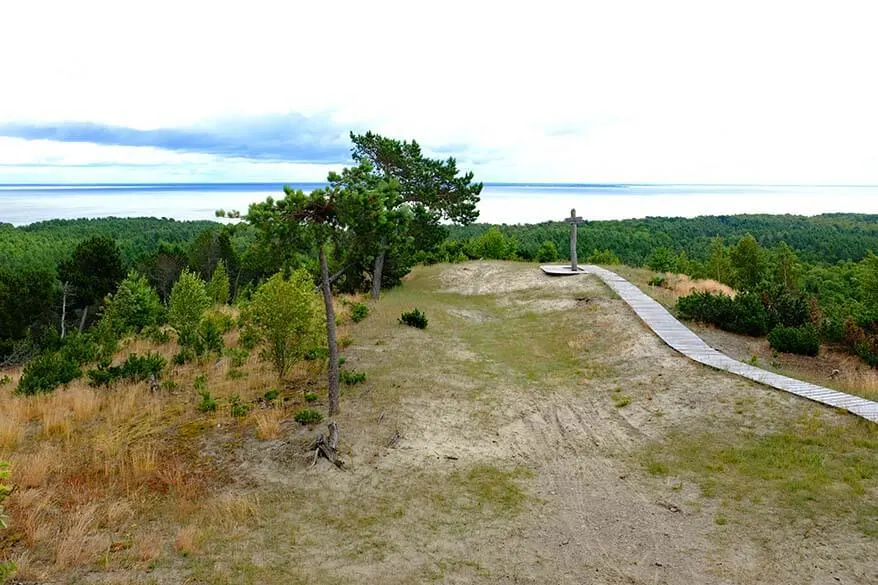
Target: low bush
(316, 353)
(359, 311)
(414, 318)
(658, 280)
(547, 252)
(237, 356)
(308, 416)
(5, 380)
(237, 408)
(135, 368)
(46, 372)
(744, 314)
(208, 337)
(352, 378)
(804, 340)
(310, 396)
(207, 402)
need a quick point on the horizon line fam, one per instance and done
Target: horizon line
(494, 183)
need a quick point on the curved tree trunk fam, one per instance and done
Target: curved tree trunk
(330, 332)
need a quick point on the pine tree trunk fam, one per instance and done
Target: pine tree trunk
(82, 321)
(376, 274)
(330, 333)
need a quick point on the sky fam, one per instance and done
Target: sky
(623, 92)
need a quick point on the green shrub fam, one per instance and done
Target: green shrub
(209, 337)
(237, 356)
(156, 334)
(414, 319)
(271, 395)
(606, 257)
(46, 372)
(316, 353)
(308, 416)
(5, 380)
(547, 252)
(208, 402)
(352, 378)
(237, 407)
(359, 311)
(79, 348)
(310, 396)
(658, 280)
(235, 374)
(803, 340)
(135, 368)
(744, 314)
(183, 356)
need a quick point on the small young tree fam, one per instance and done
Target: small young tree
(188, 302)
(133, 306)
(748, 261)
(300, 219)
(661, 259)
(283, 314)
(218, 287)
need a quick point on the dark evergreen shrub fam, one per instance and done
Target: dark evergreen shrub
(46, 372)
(744, 314)
(308, 416)
(414, 318)
(359, 311)
(352, 378)
(804, 340)
(135, 368)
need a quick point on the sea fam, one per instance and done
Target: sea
(510, 203)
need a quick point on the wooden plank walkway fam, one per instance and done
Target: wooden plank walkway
(679, 337)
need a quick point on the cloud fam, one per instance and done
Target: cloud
(271, 137)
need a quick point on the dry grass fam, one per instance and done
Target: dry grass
(268, 423)
(30, 470)
(682, 285)
(30, 511)
(148, 547)
(188, 540)
(75, 546)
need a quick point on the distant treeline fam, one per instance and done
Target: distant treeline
(826, 238)
(44, 245)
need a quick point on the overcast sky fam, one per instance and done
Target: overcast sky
(610, 91)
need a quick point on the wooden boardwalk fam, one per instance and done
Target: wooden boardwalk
(679, 337)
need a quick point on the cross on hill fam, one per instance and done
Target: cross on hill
(573, 220)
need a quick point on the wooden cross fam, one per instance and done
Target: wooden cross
(573, 220)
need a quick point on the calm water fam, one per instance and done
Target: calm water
(501, 203)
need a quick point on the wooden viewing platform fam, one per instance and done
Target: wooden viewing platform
(679, 337)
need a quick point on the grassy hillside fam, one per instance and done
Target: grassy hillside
(535, 431)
